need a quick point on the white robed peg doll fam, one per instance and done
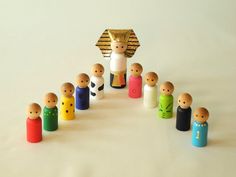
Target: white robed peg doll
(150, 90)
(97, 82)
(118, 45)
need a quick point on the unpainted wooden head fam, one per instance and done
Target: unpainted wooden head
(136, 69)
(201, 115)
(97, 70)
(33, 111)
(67, 89)
(118, 47)
(50, 100)
(167, 88)
(185, 100)
(151, 79)
(82, 80)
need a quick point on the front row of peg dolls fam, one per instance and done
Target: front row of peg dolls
(83, 93)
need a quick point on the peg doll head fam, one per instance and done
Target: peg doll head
(50, 100)
(167, 88)
(201, 115)
(33, 111)
(118, 41)
(136, 69)
(151, 79)
(97, 70)
(82, 80)
(67, 89)
(185, 100)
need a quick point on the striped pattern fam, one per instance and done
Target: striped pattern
(104, 44)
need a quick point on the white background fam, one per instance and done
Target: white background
(45, 43)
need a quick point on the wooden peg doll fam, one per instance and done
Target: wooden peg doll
(67, 106)
(184, 111)
(97, 82)
(50, 112)
(166, 100)
(82, 91)
(135, 81)
(118, 45)
(34, 123)
(150, 90)
(200, 127)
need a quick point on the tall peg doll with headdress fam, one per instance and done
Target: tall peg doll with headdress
(118, 45)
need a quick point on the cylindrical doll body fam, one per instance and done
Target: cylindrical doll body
(200, 127)
(166, 99)
(50, 118)
(183, 119)
(82, 91)
(199, 134)
(166, 106)
(50, 112)
(34, 124)
(135, 87)
(184, 111)
(67, 105)
(150, 90)
(97, 87)
(118, 66)
(82, 98)
(150, 96)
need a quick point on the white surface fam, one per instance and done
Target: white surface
(45, 43)
(118, 62)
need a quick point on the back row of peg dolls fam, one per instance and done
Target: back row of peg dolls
(83, 93)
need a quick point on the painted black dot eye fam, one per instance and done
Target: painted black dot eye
(202, 116)
(122, 46)
(86, 80)
(70, 90)
(64, 90)
(71, 104)
(184, 102)
(152, 80)
(54, 101)
(196, 115)
(147, 79)
(81, 81)
(132, 70)
(96, 71)
(36, 112)
(48, 101)
(117, 47)
(136, 70)
(30, 112)
(179, 101)
(163, 89)
(168, 90)
(100, 71)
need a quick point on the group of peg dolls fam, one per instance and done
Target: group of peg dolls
(117, 45)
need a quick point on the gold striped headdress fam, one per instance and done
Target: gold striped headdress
(127, 36)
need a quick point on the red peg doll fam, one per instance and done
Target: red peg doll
(135, 81)
(34, 123)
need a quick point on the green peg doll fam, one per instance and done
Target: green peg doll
(50, 112)
(166, 99)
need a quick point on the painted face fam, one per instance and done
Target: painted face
(118, 47)
(67, 89)
(201, 115)
(82, 80)
(97, 70)
(33, 111)
(167, 88)
(50, 100)
(136, 69)
(151, 79)
(185, 100)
